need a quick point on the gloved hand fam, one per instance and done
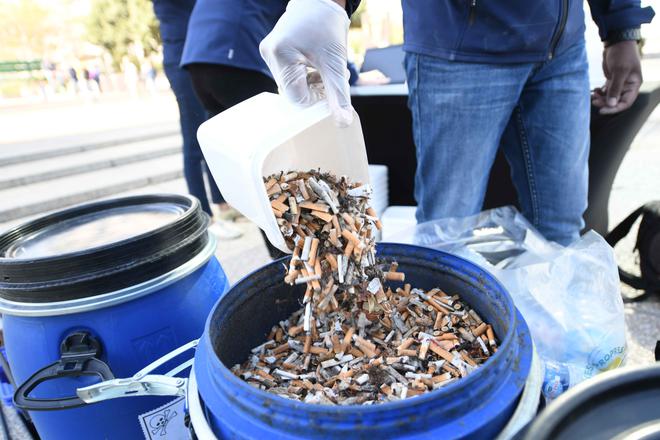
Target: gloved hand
(311, 33)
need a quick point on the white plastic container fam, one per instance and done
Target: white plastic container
(266, 134)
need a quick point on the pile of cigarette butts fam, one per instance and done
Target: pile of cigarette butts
(355, 340)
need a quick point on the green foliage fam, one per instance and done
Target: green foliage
(124, 27)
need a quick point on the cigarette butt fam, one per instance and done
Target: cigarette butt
(447, 337)
(307, 279)
(265, 375)
(349, 335)
(367, 347)
(277, 213)
(435, 348)
(282, 197)
(480, 330)
(270, 183)
(308, 295)
(295, 258)
(332, 261)
(340, 268)
(466, 357)
(300, 232)
(335, 224)
(295, 330)
(447, 344)
(476, 317)
(441, 311)
(438, 321)
(405, 344)
(317, 267)
(302, 188)
(313, 251)
(308, 344)
(466, 334)
(332, 237)
(281, 348)
(289, 177)
(357, 253)
(293, 206)
(291, 276)
(318, 350)
(315, 206)
(349, 220)
(351, 237)
(372, 213)
(274, 190)
(306, 248)
(395, 276)
(491, 336)
(441, 377)
(349, 249)
(376, 362)
(323, 216)
(423, 349)
(411, 353)
(356, 353)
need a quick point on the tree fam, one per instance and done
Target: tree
(24, 30)
(124, 27)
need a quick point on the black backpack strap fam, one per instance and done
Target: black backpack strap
(613, 237)
(648, 246)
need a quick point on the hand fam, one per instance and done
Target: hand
(311, 34)
(623, 71)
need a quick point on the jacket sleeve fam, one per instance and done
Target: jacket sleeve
(351, 6)
(612, 15)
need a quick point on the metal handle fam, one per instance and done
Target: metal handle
(142, 383)
(78, 353)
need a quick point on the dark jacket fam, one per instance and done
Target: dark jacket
(173, 18)
(228, 32)
(508, 31)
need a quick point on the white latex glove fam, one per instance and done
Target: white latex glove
(311, 34)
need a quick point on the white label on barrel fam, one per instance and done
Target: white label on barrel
(165, 422)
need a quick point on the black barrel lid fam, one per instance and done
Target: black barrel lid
(100, 247)
(620, 404)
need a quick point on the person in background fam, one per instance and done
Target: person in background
(173, 16)
(222, 54)
(482, 76)
(73, 79)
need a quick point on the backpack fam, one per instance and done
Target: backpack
(648, 246)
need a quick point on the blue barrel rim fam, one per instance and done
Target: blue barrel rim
(514, 318)
(109, 299)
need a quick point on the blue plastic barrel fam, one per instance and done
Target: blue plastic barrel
(100, 291)
(477, 406)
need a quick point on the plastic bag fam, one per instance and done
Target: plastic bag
(569, 296)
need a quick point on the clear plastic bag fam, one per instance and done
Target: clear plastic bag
(569, 296)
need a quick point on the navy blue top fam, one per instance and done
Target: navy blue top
(173, 16)
(509, 31)
(228, 32)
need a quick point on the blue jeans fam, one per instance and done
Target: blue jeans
(191, 115)
(537, 112)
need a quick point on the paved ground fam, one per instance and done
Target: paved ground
(55, 156)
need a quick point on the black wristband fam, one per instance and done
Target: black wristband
(617, 36)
